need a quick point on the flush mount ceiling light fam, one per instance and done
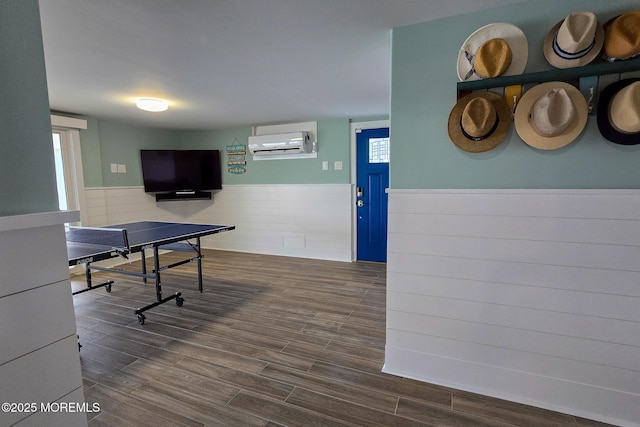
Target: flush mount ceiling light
(152, 104)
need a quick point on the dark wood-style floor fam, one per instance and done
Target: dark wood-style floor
(272, 341)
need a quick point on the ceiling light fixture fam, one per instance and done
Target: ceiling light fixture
(152, 104)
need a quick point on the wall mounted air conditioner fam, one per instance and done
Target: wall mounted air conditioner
(281, 144)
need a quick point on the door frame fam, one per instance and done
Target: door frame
(354, 127)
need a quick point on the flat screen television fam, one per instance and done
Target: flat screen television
(166, 171)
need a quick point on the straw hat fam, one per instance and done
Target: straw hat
(479, 122)
(551, 115)
(622, 36)
(491, 51)
(619, 112)
(574, 41)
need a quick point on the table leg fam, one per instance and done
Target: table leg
(144, 265)
(199, 264)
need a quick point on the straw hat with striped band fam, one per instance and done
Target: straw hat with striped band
(574, 41)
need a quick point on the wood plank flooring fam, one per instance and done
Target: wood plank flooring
(272, 341)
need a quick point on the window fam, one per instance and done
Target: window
(66, 180)
(379, 150)
(68, 163)
(63, 204)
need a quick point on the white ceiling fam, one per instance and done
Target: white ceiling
(227, 63)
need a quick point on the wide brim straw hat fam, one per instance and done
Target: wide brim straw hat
(496, 108)
(525, 120)
(574, 41)
(515, 38)
(619, 112)
(621, 37)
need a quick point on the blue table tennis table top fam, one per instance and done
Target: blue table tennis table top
(141, 235)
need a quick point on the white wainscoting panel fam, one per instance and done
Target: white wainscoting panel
(527, 295)
(309, 221)
(45, 313)
(39, 359)
(28, 249)
(51, 374)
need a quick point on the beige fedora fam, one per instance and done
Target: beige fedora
(622, 37)
(619, 112)
(479, 122)
(574, 41)
(551, 115)
(493, 50)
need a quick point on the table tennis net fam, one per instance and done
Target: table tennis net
(114, 237)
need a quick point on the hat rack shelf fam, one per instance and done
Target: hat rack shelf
(564, 75)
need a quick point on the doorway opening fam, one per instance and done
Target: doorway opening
(370, 151)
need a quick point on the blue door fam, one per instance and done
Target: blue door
(372, 181)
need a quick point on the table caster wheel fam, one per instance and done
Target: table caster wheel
(108, 287)
(141, 318)
(179, 301)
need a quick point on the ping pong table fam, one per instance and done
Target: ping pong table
(87, 245)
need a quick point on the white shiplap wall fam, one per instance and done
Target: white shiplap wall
(528, 295)
(311, 221)
(39, 359)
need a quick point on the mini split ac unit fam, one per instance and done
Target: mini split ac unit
(280, 144)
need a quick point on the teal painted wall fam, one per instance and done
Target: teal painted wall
(424, 91)
(333, 145)
(27, 175)
(91, 157)
(121, 144)
(105, 142)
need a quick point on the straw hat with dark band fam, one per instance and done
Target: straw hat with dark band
(551, 115)
(622, 37)
(491, 51)
(619, 112)
(479, 122)
(574, 41)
